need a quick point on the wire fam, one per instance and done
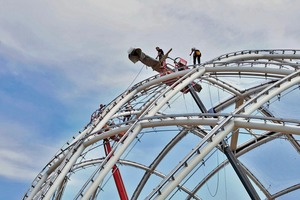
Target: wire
(218, 179)
(193, 173)
(136, 77)
(185, 103)
(211, 103)
(225, 185)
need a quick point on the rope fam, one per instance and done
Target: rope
(135, 77)
(211, 102)
(194, 172)
(225, 185)
(185, 103)
(218, 178)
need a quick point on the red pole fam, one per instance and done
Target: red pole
(116, 174)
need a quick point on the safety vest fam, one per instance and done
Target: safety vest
(197, 52)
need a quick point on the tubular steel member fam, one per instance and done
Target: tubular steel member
(116, 174)
(235, 105)
(240, 172)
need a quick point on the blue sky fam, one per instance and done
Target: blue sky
(60, 59)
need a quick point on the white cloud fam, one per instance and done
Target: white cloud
(22, 151)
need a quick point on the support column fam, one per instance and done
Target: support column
(241, 173)
(197, 99)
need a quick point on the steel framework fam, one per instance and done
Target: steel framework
(230, 116)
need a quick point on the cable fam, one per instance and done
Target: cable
(211, 103)
(218, 179)
(135, 77)
(185, 103)
(225, 185)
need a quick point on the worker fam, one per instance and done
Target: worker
(160, 53)
(196, 55)
(128, 108)
(100, 109)
(98, 112)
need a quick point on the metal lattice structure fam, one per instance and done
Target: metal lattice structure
(157, 136)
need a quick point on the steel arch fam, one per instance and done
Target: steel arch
(242, 107)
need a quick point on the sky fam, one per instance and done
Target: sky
(60, 59)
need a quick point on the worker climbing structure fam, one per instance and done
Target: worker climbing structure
(190, 132)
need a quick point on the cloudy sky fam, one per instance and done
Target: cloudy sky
(60, 59)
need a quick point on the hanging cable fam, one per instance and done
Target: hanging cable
(218, 178)
(211, 103)
(202, 166)
(185, 103)
(136, 77)
(225, 185)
